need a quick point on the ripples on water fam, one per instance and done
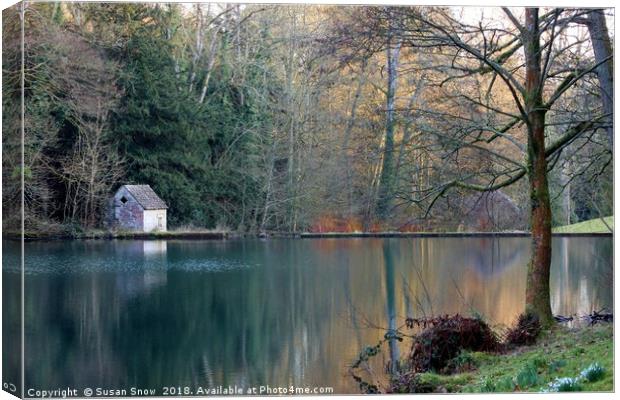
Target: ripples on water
(132, 257)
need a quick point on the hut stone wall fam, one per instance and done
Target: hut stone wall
(128, 213)
(154, 220)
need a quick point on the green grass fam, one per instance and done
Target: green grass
(590, 226)
(559, 353)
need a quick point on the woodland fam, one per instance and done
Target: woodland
(296, 118)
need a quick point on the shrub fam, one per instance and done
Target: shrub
(445, 337)
(525, 331)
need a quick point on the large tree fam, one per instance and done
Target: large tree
(498, 91)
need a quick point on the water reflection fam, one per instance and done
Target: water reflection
(278, 312)
(388, 259)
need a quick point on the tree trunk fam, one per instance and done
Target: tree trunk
(210, 63)
(410, 116)
(347, 136)
(537, 295)
(537, 288)
(268, 188)
(386, 184)
(602, 50)
(197, 51)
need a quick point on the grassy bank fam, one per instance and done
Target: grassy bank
(559, 353)
(597, 225)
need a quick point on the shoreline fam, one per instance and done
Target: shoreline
(440, 234)
(104, 235)
(225, 235)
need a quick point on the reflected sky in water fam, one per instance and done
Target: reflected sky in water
(253, 312)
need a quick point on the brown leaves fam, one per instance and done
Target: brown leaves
(444, 337)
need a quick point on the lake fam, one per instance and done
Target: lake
(279, 312)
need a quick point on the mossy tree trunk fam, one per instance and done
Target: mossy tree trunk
(537, 296)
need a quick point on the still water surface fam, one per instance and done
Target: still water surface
(117, 314)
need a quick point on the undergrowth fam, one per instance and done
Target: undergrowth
(561, 359)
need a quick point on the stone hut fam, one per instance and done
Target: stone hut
(138, 208)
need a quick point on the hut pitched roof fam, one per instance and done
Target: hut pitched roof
(146, 196)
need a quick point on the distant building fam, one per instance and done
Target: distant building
(491, 211)
(138, 208)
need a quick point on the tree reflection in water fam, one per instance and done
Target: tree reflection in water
(276, 312)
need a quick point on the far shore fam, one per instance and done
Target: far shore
(441, 234)
(225, 235)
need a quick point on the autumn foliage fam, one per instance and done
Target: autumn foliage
(333, 223)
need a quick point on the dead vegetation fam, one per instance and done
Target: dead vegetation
(445, 337)
(525, 331)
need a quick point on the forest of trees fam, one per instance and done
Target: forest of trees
(293, 118)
